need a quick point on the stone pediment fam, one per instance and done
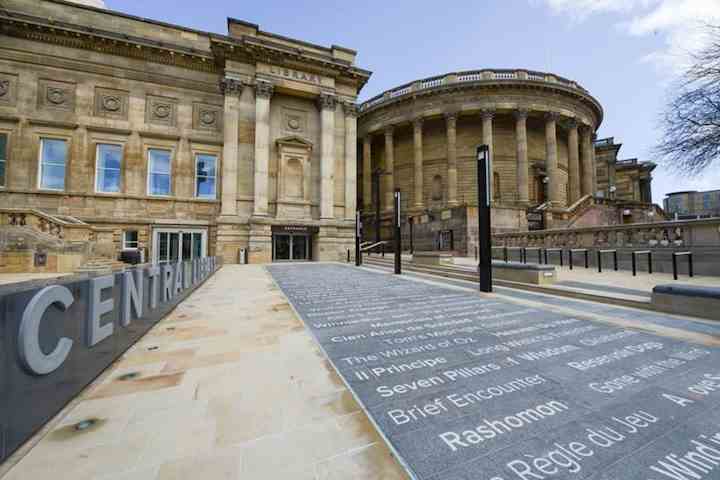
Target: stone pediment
(295, 142)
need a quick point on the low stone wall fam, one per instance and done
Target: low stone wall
(691, 300)
(60, 334)
(701, 237)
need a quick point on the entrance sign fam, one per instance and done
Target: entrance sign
(467, 387)
(57, 338)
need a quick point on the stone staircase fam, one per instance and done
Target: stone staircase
(101, 265)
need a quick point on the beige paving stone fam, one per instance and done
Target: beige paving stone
(258, 401)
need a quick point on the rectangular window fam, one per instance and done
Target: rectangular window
(205, 173)
(53, 156)
(3, 157)
(130, 240)
(108, 168)
(159, 172)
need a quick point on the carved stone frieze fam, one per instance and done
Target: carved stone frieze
(161, 110)
(56, 95)
(111, 103)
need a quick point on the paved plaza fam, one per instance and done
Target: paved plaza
(465, 386)
(346, 372)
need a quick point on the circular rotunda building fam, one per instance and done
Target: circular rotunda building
(421, 138)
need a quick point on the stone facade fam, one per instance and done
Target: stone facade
(625, 180)
(421, 138)
(273, 121)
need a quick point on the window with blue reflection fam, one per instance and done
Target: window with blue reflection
(205, 176)
(3, 157)
(108, 168)
(53, 157)
(159, 171)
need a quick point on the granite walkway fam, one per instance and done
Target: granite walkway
(228, 386)
(486, 387)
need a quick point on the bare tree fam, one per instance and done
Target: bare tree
(691, 121)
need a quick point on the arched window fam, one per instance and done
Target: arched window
(437, 188)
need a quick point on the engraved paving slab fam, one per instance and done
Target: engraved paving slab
(464, 386)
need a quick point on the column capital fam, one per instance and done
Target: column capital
(350, 109)
(585, 129)
(552, 116)
(326, 101)
(451, 117)
(418, 122)
(572, 123)
(229, 86)
(521, 113)
(389, 131)
(264, 89)
(487, 113)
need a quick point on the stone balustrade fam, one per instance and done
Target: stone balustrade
(685, 233)
(485, 75)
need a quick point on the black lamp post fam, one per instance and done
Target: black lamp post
(484, 237)
(396, 231)
(358, 235)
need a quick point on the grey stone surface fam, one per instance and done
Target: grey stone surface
(475, 387)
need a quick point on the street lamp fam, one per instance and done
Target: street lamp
(484, 237)
(396, 231)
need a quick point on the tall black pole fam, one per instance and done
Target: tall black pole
(377, 206)
(398, 242)
(358, 233)
(484, 254)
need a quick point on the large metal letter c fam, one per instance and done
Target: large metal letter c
(29, 349)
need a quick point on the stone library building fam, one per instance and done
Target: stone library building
(124, 138)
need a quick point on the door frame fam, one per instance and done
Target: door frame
(308, 247)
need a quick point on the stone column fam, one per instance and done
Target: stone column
(487, 133)
(231, 116)
(418, 167)
(389, 177)
(593, 137)
(263, 92)
(326, 103)
(573, 162)
(587, 161)
(551, 158)
(350, 110)
(523, 183)
(451, 122)
(367, 172)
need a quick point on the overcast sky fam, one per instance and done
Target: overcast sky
(625, 52)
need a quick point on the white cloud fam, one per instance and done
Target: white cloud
(679, 22)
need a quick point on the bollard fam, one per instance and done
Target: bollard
(546, 259)
(634, 260)
(570, 256)
(674, 263)
(348, 255)
(523, 255)
(615, 261)
(505, 254)
(382, 249)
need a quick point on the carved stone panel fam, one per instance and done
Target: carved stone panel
(207, 117)
(111, 103)
(8, 89)
(161, 110)
(295, 121)
(54, 95)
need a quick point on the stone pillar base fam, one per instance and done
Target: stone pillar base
(231, 237)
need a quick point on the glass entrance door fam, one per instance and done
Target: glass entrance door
(290, 247)
(170, 246)
(282, 247)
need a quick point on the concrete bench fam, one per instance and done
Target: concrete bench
(524, 272)
(693, 300)
(431, 258)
